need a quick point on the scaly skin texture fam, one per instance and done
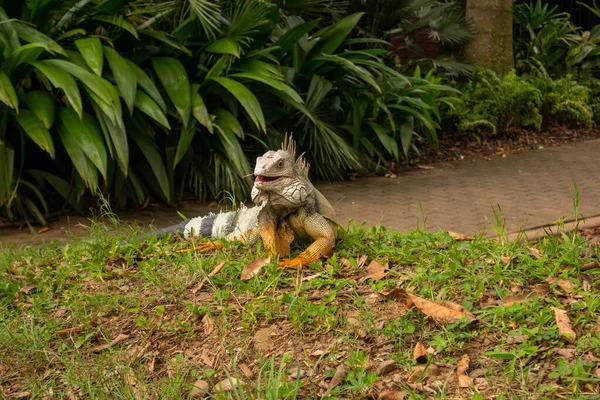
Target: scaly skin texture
(290, 209)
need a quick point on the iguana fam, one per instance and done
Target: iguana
(288, 207)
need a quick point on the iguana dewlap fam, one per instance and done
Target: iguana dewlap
(288, 208)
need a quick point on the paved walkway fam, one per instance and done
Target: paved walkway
(532, 188)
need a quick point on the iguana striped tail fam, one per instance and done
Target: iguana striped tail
(233, 224)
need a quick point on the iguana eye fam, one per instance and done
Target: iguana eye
(280, 163)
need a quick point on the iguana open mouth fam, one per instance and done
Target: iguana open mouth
(262, 178)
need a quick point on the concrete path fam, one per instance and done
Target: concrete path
(533, 189)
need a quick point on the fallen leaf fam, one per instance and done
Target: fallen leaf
(542, 289)
(27, 289)
(389, 394)
(215, 270)
(420, 353)
(311, 277)
(386, 367)
(253, 268)
(375, 271)
(459, 237)
(246, 370)
(200, 389)
(44, 229)
(590, 265)
(461, 372)
(447, 312)
(506, 259)
(208, 324)
(425, 167)
(535, 252)
(317, 353)
(120, 337)
(207, 358)
(361, 260)
(566, 285)
(226, 385)
(339, 376)
(519, 298)
(565, 329)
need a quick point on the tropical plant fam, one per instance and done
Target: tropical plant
(134, 99)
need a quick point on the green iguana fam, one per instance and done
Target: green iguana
(288, 208)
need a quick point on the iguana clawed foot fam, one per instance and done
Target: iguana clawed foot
(204, 247)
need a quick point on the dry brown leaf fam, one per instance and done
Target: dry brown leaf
(253, 268)
(207, 358)
(448, 312)
(246, 370)
(461, 372)
(361, 260)
(565, 329)
(311, 277)
(420, 353)
(459, 237)
(506, 259)
(339, 376)
(27, 289)
(120, 337)
(566, 285)
(389, 394)
(542, 289)
(215, 271)
(317, 353)
(208, 324)
(68, 331)
(133, 382)
(535, 252)
(375, 271)
(425, 167)
(519, 298)
(590, 265)
(44, 229)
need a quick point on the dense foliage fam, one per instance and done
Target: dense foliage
(131, 99)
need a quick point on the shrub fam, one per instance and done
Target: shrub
(564, 100)
(490, 103)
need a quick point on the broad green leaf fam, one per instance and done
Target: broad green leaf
(76, 58)
(356, 70)
(32, 35)
(70, 33)
(24, 54)
(104, 106)
(7, 92)
(274, 83)
(86, 133)
(388, 142)
(91, 50)
(154, 158)
(365, 41)
(62, 187)
(62, 80)
(330, 38)
(118, 137)
(217, 69)
(226, 124)
(175, 80)
(118, 20)
(185, 140)
(246, 99)
(7, 165)
(200, 110)
(36, 130)
(124, 75)
(145, 104)
(82, 164)
(42, 105)
(293, 35)
(317, 91)
(32, 208)
(224, 46)
(166, 40)
(406, 134)
(148, 85)
(101, 88)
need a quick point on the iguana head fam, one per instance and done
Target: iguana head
(282, 176)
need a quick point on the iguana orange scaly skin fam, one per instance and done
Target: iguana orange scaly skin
(288, 207)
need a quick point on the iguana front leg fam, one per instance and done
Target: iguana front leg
(318, 229)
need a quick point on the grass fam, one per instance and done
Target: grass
(289, 334)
